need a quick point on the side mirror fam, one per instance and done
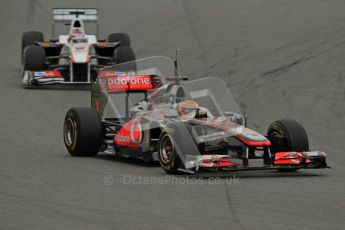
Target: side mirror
(237, 118)
(229, 114)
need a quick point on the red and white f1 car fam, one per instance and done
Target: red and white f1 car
(73, 58)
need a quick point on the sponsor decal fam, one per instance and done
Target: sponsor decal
(120, 138)
(47, 73)
(125, 136)
(39, 74)
(116, 73)
(120, 83)
(136, 131)
(129, 80)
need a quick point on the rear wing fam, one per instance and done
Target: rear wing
(113, 82)
(123, 83)
(67, 15)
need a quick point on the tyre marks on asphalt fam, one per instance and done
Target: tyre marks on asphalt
(193, 30)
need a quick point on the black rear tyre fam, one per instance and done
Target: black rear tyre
(30, 37)
(82, 132)
(34, 58)
(120, 37)
(168, 157)
(295, 136)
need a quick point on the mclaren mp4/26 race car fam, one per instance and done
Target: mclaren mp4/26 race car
(143, 109)
(73, 58)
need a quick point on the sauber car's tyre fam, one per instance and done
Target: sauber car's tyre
(168, 158)
(124, 54)
(120, 37)
(295, 137)
(82, 132)
(34, 58)
(30, 37)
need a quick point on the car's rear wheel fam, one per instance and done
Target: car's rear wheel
(82, 132)
(294, 136)
(168, 157)
(120, 37)
(29, 38)
(34, 58)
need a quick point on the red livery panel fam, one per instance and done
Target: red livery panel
(130, 135)
(122, 83)
(289, 158)
(48, 74)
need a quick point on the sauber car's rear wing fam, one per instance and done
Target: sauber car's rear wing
(69, 14)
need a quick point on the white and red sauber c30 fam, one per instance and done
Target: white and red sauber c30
(73, 58)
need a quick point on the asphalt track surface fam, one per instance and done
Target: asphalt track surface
(281, 59)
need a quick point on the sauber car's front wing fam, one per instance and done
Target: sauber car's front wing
(47, 77)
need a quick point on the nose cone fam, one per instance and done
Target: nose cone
(80, 54)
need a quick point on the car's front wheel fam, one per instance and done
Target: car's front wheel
(82, 132)
(29, 38)
(168, 157)
(293, 135)
(34, 58)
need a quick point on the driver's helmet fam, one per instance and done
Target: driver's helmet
(76, 31)
(187, 109)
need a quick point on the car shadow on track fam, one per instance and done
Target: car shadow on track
(131, 161)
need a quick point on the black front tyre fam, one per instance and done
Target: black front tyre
(82, 132)
(29, 38)
(168, 157)
(294, 136)
(34, 58)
